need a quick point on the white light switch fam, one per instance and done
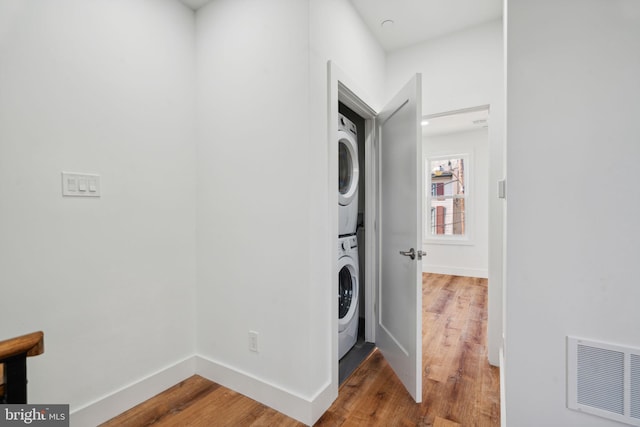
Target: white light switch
(72, 183)
(80, 184)
(502, 189)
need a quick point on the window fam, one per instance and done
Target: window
(447, 202)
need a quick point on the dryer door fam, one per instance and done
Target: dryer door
(347, 291)
(348, 169)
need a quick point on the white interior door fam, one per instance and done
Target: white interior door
(399, 293)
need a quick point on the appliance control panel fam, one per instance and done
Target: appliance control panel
(347, 244)
(346, 125)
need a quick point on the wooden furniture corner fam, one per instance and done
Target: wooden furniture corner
(13, 365)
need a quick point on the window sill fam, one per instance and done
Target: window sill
(449, 241)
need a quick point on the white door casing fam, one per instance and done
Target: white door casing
(399, 291)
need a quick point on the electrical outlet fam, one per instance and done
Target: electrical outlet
(253, 341)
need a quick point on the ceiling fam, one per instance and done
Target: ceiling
(462, 121)
(415, 21)
(195, 4)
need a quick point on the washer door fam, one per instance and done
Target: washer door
(347, 291)
(348, 169)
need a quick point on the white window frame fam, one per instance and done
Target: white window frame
(464, 239)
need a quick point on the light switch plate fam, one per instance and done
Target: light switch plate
(76, 184)
(502, 189)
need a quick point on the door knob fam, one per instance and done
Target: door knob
(411, 253)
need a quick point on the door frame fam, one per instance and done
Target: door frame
(342, 89)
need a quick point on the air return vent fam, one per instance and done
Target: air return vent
(635, 387)
(604, 380)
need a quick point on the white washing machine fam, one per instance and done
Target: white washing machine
(348, 173)
(348, 294)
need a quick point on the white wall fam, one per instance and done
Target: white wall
(252, 215)
(462, 70)
(103, 87)
(253, 196)
(459, 70)
(263, 222)
(337, 34)
(469, 258)
(108, 87)
(573, 104)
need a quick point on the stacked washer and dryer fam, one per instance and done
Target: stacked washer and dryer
(348, 261)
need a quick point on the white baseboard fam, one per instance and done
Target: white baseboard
(503, 393)
(307, 410)
(129, 396)
(322, 401)
(456, 271)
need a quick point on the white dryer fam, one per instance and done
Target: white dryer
(348, 294)
(348, 174)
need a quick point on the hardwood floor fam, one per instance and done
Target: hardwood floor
(460, 388)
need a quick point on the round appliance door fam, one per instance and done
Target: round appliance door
(347, 291)
(348, 169)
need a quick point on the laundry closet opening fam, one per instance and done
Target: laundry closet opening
(392, 279)
(353, 347)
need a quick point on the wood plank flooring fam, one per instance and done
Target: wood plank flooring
(460, 388)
